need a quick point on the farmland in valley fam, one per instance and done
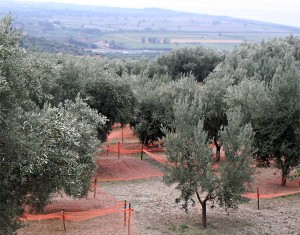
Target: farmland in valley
(114, 29)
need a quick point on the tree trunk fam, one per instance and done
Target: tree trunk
(283, 181)
(218, 150)
(283, 178)
(285, 171)
(203, 204)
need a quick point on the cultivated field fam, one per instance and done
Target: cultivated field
(132, 29)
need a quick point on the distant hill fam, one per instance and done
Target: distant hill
(107, 29)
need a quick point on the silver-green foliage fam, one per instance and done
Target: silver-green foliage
(193, 167)
(237, 169)
(42, 150)
(263, 79)
(272, 106)
(156, 97)
(199, 62)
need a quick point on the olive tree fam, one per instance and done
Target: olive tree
(193, 168)
(155, 99)
(111, 97)
(214, 109)
(45, 149)
(234, 83)
(199, 62)
(267, 90)
(274, 114)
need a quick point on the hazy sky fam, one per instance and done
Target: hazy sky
(277, 11)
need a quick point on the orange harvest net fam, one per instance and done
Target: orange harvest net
(121, 160)
(267, 181)
(115, 217)
(120, 165)
(125, 168)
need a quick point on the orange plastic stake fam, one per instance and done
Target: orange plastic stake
(142, 151)
(129, 213)
(125, 207)
(107, 149)
(64, 219)
(257, 198)
(119, 149)
(95, 187)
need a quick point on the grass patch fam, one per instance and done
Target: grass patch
(151, 228)
(172, 227)
(180, 229)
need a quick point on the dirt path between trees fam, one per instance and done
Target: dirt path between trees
(155, 210)
(157, 213)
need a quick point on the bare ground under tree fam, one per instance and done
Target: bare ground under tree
(157, 213)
